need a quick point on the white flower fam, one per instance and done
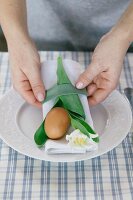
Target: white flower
(79, 140)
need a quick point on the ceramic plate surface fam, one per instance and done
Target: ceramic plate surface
(18, 122)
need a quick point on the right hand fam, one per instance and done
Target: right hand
(25, 70)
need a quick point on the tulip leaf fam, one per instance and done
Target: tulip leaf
(71, 102)
(62, 90)
(40, 136)
(80, 124)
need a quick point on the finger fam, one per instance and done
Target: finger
(91, 89)
(25, 90)
(88, 75)
(102, 82)
(30, 98)
(98, 96)
(37, 84)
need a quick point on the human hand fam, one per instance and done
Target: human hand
(25, 70)
(103, 73)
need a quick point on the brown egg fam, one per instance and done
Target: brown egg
(57, 123)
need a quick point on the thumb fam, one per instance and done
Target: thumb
(37, 84)
(87, 76)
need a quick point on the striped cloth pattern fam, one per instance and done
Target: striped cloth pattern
(108, 177)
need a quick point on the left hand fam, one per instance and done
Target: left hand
(102, 75)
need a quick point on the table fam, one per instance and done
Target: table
(109, 176)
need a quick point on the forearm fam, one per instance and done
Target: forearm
(124, 27)
(13, 18)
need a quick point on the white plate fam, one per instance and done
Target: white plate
(18, 122)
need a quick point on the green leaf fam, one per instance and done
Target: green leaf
(40, 136)
(78, 123)
(96, 139)
(58, 103)
(61, 90)
(62, 77)
(75, 115)
(87, 126)
(71, 102)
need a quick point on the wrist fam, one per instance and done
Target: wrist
(15, 33)
(125, 36)
(17, 39)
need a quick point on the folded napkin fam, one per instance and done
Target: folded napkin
(49, 77)
(62, 146)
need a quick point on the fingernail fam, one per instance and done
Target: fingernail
(40, 97)
(79, 85)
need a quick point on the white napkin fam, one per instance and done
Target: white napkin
(73, 70)
(61, 146)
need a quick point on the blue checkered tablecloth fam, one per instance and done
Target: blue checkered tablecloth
(109, 176)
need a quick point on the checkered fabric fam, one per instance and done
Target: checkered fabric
(108, 177)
